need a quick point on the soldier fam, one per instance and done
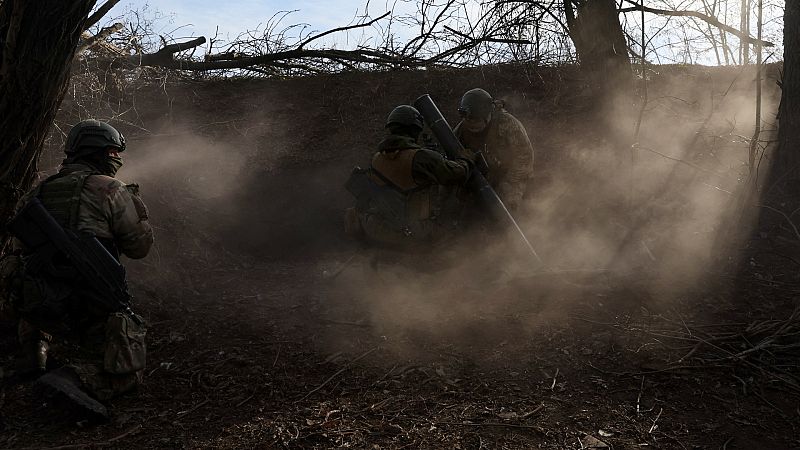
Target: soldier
(415, 177)
(106, 351)
(488, 128)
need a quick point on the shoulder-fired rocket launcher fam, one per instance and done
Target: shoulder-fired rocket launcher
(487, 197)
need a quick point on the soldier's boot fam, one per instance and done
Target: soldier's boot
(63, 388)
(34, 345)
(32, 358)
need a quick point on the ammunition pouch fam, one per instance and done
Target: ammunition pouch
(383, 201)
(125, 348)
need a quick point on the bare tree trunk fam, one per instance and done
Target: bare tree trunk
(744, 22)
(599, 41)
(726, 49)
(39, 38)
(786, 166)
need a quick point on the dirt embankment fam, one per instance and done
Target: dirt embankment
(252, 345)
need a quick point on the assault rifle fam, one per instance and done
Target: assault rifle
(477, 183)
(51, 244)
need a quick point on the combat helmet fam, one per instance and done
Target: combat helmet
(476, 104)
(92, 135)
(405, 116)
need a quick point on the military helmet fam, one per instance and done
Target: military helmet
(405, 115)
(476, 103)
(93, 135)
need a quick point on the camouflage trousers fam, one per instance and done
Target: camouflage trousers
(425, 236)
(108, 356)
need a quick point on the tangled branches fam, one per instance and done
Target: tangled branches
(767, 346)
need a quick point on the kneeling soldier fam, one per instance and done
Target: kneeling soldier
(399, 197)
(57, 302)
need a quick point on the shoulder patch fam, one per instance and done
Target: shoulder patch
(133, 188)
(141, 209)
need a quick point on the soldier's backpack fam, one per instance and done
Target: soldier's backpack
(384, 200)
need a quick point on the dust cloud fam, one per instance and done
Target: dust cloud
(639, 225)
(615, 223)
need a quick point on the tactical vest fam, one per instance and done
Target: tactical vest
(395, 169)
(61, 196)
(42, 298)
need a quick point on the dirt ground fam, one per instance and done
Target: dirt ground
(270, 328)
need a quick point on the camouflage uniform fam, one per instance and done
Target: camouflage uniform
(106, 351)
(421, 174)
(508, 152)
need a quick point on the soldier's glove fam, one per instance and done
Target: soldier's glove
(481, 164)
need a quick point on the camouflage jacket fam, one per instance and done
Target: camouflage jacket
(105, 207)
(424, 176)
(409, 166)
(508, 151)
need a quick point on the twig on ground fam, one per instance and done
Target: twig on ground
(653, 427)
(338, 372)
(639, 398)
(534, 411)
(194, 408)
(489, 424)
(245, 400)
(277, 354)
(122, 436)
(107, 443)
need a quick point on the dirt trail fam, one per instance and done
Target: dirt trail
(251, 345)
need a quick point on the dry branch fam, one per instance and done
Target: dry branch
(447, 37)
(98, 15)
(346, 28)
(90, 41)
(704, 17)
(166, 56)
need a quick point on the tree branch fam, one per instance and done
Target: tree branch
(706, 18)
(488, 38)
(568, 11)
(98, 15)
(164, 58)
(90, 41)
(335, 30)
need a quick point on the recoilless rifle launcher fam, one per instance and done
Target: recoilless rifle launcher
(477, 184)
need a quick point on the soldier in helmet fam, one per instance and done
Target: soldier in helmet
(105, 351)
(488, 128)
(415, 175)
